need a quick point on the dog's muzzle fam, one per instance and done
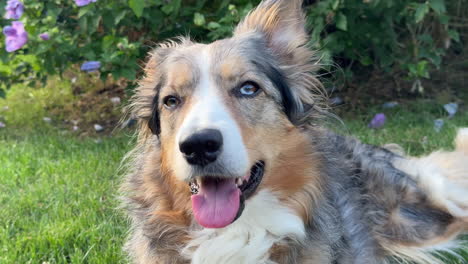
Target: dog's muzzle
(219, 201)
(202, 147)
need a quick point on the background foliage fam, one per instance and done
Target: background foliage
(409, 36)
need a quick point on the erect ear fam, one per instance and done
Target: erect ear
(281, 22)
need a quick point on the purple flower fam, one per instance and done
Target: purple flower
(91, 66)
(14, 9)
(377, 121)
(84, 2)
(16, 36)
(44, 36)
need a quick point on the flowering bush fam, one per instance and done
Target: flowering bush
(41, 38)
(117, 34)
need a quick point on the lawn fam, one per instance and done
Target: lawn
(58, 191)
(58, 199)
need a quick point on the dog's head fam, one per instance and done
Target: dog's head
(227, 114)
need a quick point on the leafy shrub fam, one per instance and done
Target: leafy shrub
(388, 34)
(116, 33)
(391, 35)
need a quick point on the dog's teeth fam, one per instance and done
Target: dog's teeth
(239, 181)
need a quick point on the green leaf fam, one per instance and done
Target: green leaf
(31, 59)
(421, 12)
(137, 6)
(94, 24)
(107, 42)
(412, 69)
(167, 9)
(198, 19)
(5, 69)
(119, 17)
(426, 38)
(213, 25)
(2, 93)
(172, 7)
(444, 19)
(128, 73)
(438, 6)
(454, 35)
(366, 61)
(335, 4)
(341, 22)
(84, 10)
(422, 69)
(83, 22)
(177, 4)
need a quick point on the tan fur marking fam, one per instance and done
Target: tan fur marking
(419, 250)
(175, 194)
(231, 68)
(180, 74)
(294, 166)
(264, 18)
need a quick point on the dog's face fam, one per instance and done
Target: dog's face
(226, 113)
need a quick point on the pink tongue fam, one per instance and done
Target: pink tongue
(217, 203)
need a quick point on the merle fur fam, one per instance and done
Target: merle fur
(362, 190)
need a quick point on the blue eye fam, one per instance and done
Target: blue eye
(249, 89)
(171, 102)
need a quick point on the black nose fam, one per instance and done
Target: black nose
(202, 147)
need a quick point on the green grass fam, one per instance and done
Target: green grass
(27, 106)
(410, 125)
(58, 192)
(57, 195)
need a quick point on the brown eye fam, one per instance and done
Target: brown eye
(248, 89)
(171, 102)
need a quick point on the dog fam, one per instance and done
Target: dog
(233, 164)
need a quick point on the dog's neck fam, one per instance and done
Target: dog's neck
(264, 223)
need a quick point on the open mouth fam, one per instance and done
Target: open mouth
(217, 202)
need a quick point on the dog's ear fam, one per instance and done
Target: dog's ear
(148, 93)
(144, 103)
(282, 24)
(154, 123)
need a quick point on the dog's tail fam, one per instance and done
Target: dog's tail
(443, 177)
(461, 142)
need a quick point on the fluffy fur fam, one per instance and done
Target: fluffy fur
(248, 240)
(324, 198)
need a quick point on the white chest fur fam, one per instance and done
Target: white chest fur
(248, 240)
